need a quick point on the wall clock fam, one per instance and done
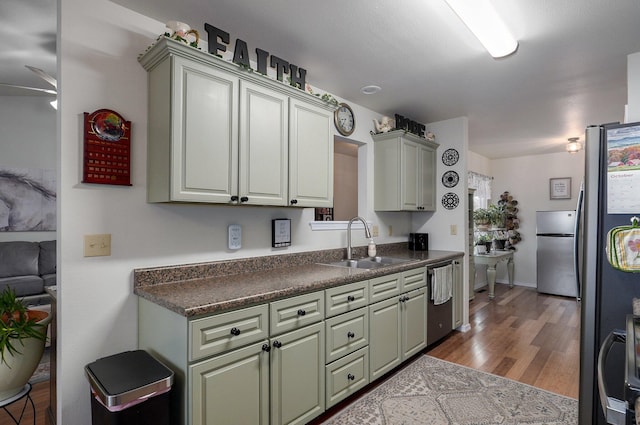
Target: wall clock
(344, 119)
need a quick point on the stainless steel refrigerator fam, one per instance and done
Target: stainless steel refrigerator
(556, 237)
(611, 199)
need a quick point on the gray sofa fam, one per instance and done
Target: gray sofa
(28, 267)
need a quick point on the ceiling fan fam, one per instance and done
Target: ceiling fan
(40, 73)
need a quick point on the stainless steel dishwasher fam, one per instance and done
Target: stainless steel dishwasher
(439, 317)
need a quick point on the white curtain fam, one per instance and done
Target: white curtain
(482, 185)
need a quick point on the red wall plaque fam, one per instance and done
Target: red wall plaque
(107, 148)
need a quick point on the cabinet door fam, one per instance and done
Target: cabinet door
(297, 376)
(204, 166)
(414, 322)
(264, 146)
(458, 295)
(410, 176)
(427, 183)
(384, 337)
(310, 156)
(232, 388)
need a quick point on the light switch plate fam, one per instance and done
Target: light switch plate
(97, 245)
(235, 236)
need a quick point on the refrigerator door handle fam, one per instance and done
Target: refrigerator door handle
(614, 409)
(577, 242)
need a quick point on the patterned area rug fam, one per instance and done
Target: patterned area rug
(431, 391)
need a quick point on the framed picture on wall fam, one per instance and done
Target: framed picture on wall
(560, 188)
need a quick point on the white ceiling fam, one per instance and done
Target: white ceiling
(569, 70)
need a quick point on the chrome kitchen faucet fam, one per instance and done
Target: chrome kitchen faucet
(367, 233)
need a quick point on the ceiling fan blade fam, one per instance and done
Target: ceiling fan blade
(48, 78)
(29, 88)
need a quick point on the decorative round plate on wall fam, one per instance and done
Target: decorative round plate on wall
(450, 200)
(450, 179)
(450, 157)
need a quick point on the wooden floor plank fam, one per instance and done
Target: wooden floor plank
(522, 335)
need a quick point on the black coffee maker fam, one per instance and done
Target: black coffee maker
(419, 241)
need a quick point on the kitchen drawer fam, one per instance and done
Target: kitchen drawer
(216, 334)
(346, 333)
(414, 279)
(293, 313)
(342, 299)
(346, 376)
(383, 287)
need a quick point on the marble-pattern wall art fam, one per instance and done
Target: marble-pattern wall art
(27, 199)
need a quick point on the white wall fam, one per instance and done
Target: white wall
(633, 87)
(478, 163)
(527, 180)
(98, 68)
(27, 140)
(450, 134)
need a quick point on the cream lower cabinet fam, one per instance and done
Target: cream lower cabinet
(347, 347)
(283, 380)
(297, 375)
(232, 388)
(397, 325)
(287, 361)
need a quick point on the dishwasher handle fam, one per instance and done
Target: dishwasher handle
(614, 409)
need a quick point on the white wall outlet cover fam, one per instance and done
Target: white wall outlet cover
(235, 236)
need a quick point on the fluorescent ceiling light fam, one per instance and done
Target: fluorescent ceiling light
(483, 21)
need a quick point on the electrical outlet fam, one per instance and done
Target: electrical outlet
(375, 230)
(235, 236)
(454, 229)
(97, 245)
(390, 230)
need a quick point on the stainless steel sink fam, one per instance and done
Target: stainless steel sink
(369, 263)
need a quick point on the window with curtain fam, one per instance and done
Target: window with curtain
(482, 185)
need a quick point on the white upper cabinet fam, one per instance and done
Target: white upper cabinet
(404, 171)
(264, 150)
(220, 134)
(193, 133)
(311, 157)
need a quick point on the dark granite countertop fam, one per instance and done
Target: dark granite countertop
(206, 288)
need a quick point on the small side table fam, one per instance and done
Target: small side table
(25, 392)
(491, 260)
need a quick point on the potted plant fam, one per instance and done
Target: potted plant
(23, 333)
(483, 243)
(481, 218)
(497, 215)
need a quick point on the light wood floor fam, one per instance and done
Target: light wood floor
(522, 335)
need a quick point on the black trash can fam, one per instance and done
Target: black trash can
(130, 388)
